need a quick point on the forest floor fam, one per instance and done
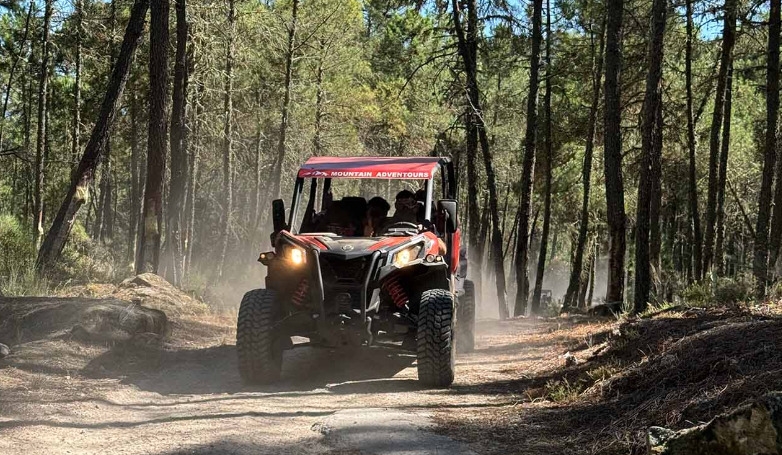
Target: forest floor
(518, 392)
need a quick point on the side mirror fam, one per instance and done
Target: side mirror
(278, 215)
(449, 206)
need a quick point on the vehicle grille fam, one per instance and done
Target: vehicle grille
(342, 271)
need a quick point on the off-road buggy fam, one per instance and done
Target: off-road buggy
(402, 287)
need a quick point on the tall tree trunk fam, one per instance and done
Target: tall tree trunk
(728, 40)
(583, 229)
(40, 159)
(614, 184)
(695, 223)
(257, 172)
(528, 162)
(152, 220)
(135, 183)
(228, 160)
(76, 127)
(12, 72)
(535, 308)
(477, 130)
(760, 260)
(649, 170)
(723, 177)
(178, 162)
(317, 142)
(291, 47)
(655, 200)
(193, 173)
(79, 189)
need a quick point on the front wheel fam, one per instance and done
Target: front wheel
(465, 319)
(435, 350)
(259, 352)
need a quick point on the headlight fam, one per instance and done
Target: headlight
(295, 255)
(404, 257)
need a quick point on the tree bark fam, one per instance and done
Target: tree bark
(152, 220)
(723, 176)
(695, 223)
(178, 161)
(613, 152)
(528, 162)
(40, 159)
(135, 183)
(728, 40)
(583, 229)
(79, 189)
(535, 307)
(291, 47)
(228, 160)
(193, 174)
(468, 51)
(649, 170)
(12, 72)
(760, 259)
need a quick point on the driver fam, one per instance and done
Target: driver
(406, 208)
(376, 216)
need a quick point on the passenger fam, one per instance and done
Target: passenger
(406, 208)
(376, 216)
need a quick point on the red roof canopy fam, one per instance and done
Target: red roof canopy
(413, 167)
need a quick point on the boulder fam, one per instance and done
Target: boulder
(753, 429)
(4, 351)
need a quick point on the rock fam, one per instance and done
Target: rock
(606, 309)
(570, 359)
(4, 351)
(753, 429)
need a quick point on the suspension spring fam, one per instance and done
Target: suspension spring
(396, 292)
(301, 292)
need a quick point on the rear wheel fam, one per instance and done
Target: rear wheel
(465, 319)
(259, 352)
(435, 338)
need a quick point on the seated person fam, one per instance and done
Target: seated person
(341, 217)
(376, 216)
(406, 208)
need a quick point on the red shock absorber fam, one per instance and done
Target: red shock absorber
(301, 292)
(396, 291)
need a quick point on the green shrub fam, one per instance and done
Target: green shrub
(16, 247)
(734, 290)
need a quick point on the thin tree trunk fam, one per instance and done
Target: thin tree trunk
(583, 229)
(528, 162)
(178, 162)
(79, 189)
(12, 72)
(228, 161)
(40, 159)
(723, 176)
(317, 141)
(728, 40)
(193, 174)
(549, 165)
(695, 223)
(760, 259)
(257, 171)
(655, 202)
(291, 47)
(76, 131)
(135, 186)
(468, 51)
(613, 152)
(152, 220)
(651, 129)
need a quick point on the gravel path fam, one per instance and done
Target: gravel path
(364, 401)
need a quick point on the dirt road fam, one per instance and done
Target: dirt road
(362, 402)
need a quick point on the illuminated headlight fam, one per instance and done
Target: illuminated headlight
(404, 257)
(295, 255)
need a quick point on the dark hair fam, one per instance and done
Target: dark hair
(379, 203)
(405, 194)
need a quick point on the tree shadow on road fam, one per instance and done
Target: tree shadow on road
(214, 370)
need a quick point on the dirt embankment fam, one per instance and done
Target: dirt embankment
(106, 374)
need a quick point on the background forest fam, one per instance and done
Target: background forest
(607, 149)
